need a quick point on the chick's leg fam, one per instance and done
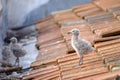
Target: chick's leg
(17, 62)
(80, 59)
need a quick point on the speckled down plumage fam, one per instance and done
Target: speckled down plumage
(17, 49)
(81, 46)
(6, 53)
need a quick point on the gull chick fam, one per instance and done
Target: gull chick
(6, 56)
(81, 46)
(17, 49)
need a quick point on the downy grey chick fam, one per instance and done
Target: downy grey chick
(17, 49)
(81, 46)
(6, 55)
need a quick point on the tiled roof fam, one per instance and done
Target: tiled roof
(98, 23)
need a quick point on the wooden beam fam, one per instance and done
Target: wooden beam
(10, 69)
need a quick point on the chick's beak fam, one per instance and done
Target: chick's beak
(68, 32)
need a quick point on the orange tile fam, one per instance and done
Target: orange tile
(102, 44)
(107, 47)
(32, 76)
(65, 15)
(106, 4)
(113, 29)
(104, 76)
(86, 73)
(49, 76)
(97, 40)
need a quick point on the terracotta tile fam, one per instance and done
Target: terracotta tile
(118, 17)
(70, 20)
(54, 54)
(74, 54)
(42, 26)
(109, 50)
(87, 10)
(113, 64)
(32, 76)
(110, 53)
(74, 23)
(102, 15)
(108, 47)
(75, 70)
(116, 13)
(81, 27)
(104, 76)
(93, 14)
(102, 44)
(114, 9)
(54, 42)
(87, 73)
(100, 21)
(74, 65)
(98, 40)
(83, 7)
(41, 69)
(72, 62)
(50, 54)
(49, 76)
(69, 57)
(106, 4)
(113, 29)
(42, 39)
(38, 64)
(113, 58)
(54, 47)
(66, 15)
(116, 66)
(49, 29)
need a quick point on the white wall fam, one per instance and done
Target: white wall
(18, 9)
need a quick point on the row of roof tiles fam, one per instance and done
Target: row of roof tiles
(98, 23)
